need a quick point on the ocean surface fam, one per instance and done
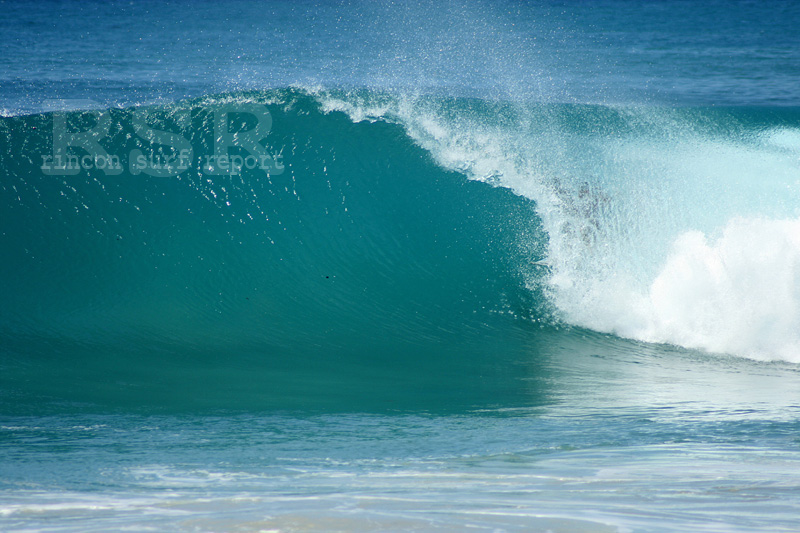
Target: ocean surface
(395, 266)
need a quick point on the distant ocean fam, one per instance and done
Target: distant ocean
(393, 266)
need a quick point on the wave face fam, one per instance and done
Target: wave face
(359, 267)
(393, 239)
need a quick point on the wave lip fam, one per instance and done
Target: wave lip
(627, 195)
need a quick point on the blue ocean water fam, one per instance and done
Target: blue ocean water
(348, 266)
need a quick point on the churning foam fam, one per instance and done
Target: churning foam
(737, 294)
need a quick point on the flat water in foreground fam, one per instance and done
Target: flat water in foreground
(631, 438)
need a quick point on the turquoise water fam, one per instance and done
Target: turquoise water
(503, 267)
